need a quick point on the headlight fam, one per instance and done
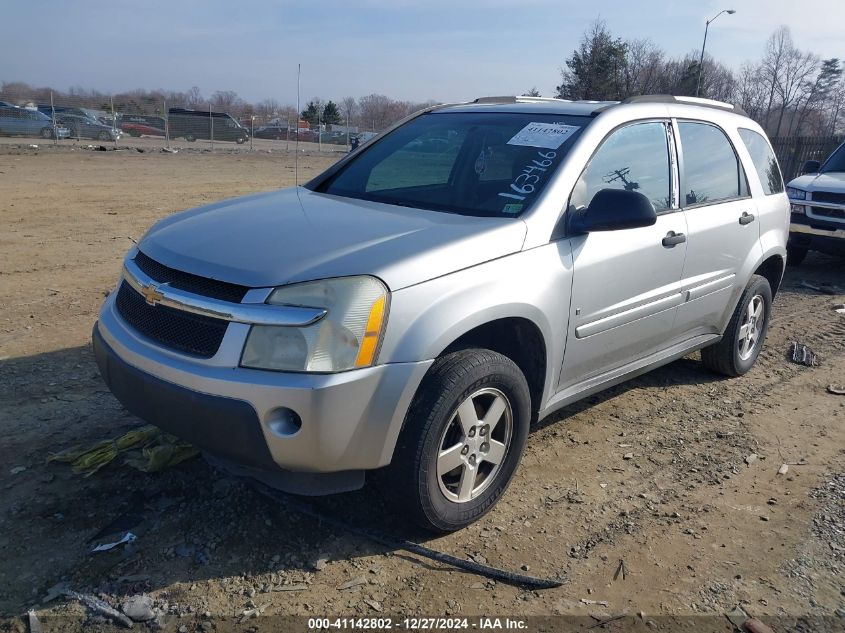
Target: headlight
(346, 338)
(796, 194)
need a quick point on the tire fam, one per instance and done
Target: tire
(46, 132)
(104, 136)
(240, 140)
(795, 255)
(190, 138)
(735, 354)
(442, 500)
(134, 134)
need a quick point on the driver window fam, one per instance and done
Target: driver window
(635, 158)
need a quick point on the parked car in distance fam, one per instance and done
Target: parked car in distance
(81, 123)
(194, 124)
(16, 121)
(417, 310)
(817, 200)
(304, 135)
(274, 132)
(142, 125)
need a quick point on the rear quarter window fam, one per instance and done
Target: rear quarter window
(765, 163)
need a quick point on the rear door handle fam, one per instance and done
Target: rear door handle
(746, 218)
(672, 239)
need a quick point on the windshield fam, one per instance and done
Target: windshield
(836, 162)
(481, 164)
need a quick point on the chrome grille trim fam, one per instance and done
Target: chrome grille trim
(250, 313)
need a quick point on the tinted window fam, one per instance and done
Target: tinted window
(635, 158)
(711, 169)
(764, 161)
(836, 162)
(472, 163)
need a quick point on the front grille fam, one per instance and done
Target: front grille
(193, 334)
(190, 283)
(827, 212)
(829, 196)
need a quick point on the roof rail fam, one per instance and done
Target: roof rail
(514, 99)
(698, 101)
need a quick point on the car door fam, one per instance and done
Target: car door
(723, 239)
(31, 123)
(13, 123)
(626, 283)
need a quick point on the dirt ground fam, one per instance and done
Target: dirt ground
(699, 515)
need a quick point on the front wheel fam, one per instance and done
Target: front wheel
(47, 132)
(240, 140)
(740, 346)
(104, 136)
(190, 138)
(463, 438)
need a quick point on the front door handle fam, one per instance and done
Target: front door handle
(672, 239)
(746, 218)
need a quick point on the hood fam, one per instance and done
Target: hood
(271, 239)
(829, 181)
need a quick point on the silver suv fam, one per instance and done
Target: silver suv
(474, 268)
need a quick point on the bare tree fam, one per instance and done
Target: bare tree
(193, 97)
(348, 109)
(644, 62)
(798, 67)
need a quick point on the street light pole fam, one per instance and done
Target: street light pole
(701, 59)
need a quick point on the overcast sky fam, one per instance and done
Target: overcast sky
(446, 50)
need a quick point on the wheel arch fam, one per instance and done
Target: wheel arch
(772, 268)
(517, 338)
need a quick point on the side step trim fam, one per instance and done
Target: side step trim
(626, 372)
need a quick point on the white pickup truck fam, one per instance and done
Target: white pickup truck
(817, 200)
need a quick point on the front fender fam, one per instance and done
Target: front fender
(534, 285)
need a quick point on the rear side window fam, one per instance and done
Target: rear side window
(711, 170)
(764, 161)
(635, 158)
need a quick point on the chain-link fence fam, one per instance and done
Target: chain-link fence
(142, 120)
(159, 123)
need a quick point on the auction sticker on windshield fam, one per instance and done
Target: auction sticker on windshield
(548, 135)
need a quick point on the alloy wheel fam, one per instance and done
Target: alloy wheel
(474, 444)
(752, 325)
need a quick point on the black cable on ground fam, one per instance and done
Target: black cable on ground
(501, 575)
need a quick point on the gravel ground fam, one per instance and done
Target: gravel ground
(697, 513)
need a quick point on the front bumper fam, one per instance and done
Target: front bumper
(817, 235)
(349, 420)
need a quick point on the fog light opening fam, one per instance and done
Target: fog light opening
(284, 422)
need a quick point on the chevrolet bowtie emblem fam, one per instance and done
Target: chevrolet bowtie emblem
(151, 294)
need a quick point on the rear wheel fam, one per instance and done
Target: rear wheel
(740, 346)
(462, 441)
(795, 255)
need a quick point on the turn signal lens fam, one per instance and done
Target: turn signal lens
(369, 343)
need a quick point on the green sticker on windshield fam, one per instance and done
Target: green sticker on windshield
(512, 208)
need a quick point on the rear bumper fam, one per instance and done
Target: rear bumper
(349, 421)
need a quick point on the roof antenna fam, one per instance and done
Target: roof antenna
(296, 146)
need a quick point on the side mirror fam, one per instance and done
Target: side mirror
(612, 210)
(811, 167)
